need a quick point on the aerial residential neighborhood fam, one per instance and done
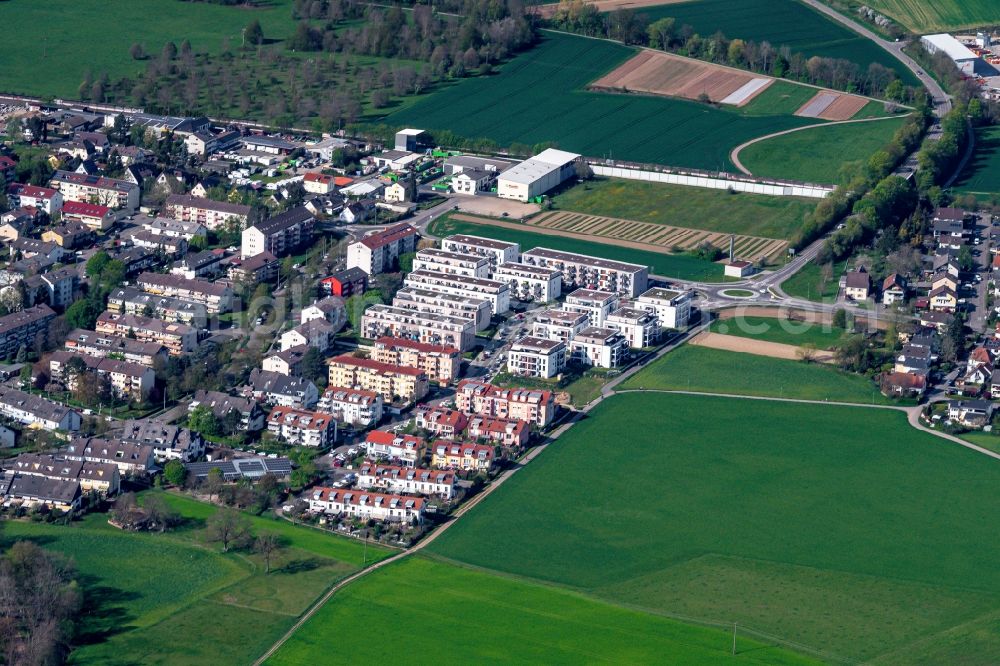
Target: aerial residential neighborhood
(605, 331)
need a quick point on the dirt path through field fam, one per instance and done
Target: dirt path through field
(736, 343)
(548, 10)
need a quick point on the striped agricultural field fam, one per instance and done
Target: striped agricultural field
(657, 237)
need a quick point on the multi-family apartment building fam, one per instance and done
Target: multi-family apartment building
(536, 357)
(464, 456)
(354, 406)
(286, 362)
(275, 388)
(169, 245)
(129, 300)
(252, 271)
(530, 283)
(46, 199)
(216, 297)
(223, 405)
(496, 251)
(395, 383)
(177, 338)
(394, 446)
(453, 263)
(672, 307)
(510, 433)
(379, 252)
(31, 490)
(279, 235)
(128, 380)
(435, 329)
(560, 325)
(497, 293)
(169, 442)
(93, 216)
(366, 505)
(93, 189)
(441, 363)
(397, 479)
(302, 428)
(597, 305)
(131, 459)
(99, 477)
(211, 214)
(474, 396)
(478, 310)
(24, 328)
(37, 412)
(99, 345)
(441, 421)
(598, 347)
(317, 333)
(166, 226)
(641, 328)
(583, 271)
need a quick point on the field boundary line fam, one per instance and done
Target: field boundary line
(734, 154)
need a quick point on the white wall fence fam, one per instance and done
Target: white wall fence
(772, 187)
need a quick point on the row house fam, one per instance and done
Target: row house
(394, 383)
(452, 263)
(441, 421)
(497, 252)
(128, 380)
(435, 329)
(169, 442)
(583, 271)
(92, 343)
(530, 283)
(24, 328)
(379, 252)
(536, 357)
(99, 477)
(441, 363)
(217, 298)
(166, 226)
(129, 300)
(37, 412)
(30, 490)
(177, 338)
(396, 479)
(463, 456)
(302, 428)
(130, 458)
(512, 434)
(366, 505)
(474, 396)
(354, 406)
(496, 292)
(408, 449)
(426, 301)
(277, 389)
(86, 188)
(206, 212)
(279, 235)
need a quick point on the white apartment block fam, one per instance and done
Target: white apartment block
(560, 325)
(596, 305)
(641, 328)
(177, 338)
(396, 479)
(354, 406)
(379, 252)
(366, 505)
(36, 412)
(435, 329)
(443, 261)
(211, 214)
(497, 293)
(100, 190)
(598, 347)
(497, 252)
(302, 428)
(530, 283)
(382, 444)
(671, 307)
(216, 297)
(583, 271)
(536, 357)
(478, 310)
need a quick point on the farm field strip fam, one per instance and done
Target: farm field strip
(829, 105)
(659, 237)
(549, 9)
(981, 174)
(735, 343)
(924, 17)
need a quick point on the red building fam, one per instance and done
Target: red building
(345, 283)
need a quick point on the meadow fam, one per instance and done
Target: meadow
(171, 598)
(766, 513)
(693, 368)
(771, 329)
(53, 62)
(981, 175)
(455, 615)
(816, 155)
(669, 265)
(689, 207)
(782, 23)
(541, 96)
(941, 15)
(808, 283)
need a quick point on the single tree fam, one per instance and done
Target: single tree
(253, 35)
(267, 546)
(175, 473)
(159, 512)
(137, 52)
(228, 527)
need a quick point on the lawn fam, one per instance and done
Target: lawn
(540, 96)
(771, 329)
(782, 23)
(692, 368)
(808, 283)
(839, 528)
(690, 207)
(817, 155)
(485, 618)
(582, 390)
(669, 265)
(981, 175)
(142, 591)
(53, 61)
(924, 17)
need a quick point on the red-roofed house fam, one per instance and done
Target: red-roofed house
(441, 421)
(474, 396)
(406, 448)
(318, 183)
(464, 456)
(43, 198)
(441, 363)
(299, 427)
(379, 252)
(510, 433)
(366, 505)
(92, 215)
(7, 170)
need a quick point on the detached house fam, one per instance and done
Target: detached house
(857, 284)
(893, 289)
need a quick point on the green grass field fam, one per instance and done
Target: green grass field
(786, 332)
(455, 615)
(540, 96)
(782, 23)
(816, 155)
(53, 61)
(692, 368)
(690, 207)
(769, 514)
(173, 599)
(924, 17)
(808, 283)
(670, 265)
(981, 175)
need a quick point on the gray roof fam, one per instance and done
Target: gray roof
(250, 468)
